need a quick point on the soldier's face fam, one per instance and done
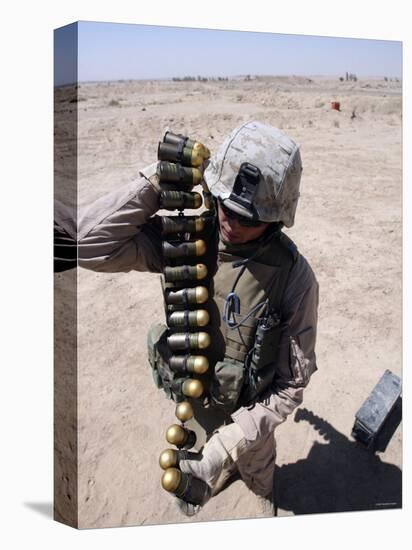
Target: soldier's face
(232, 231)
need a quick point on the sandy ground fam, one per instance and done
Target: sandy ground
(349, 227)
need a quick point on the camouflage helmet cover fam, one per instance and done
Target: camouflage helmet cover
(278, 158)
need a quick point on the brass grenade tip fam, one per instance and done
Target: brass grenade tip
(184, 411)
(202, 317)
(202, 294)
(201, 364)
(192, 388)
(171, 479)
(197, 157)
(203, 150)
(203, 340)
(196, 176)
(199, 224)
(200, 247)
(197, 200)
(168, 459)
(201, 270)
(176, 435)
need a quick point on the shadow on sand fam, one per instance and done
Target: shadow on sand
(340, 475)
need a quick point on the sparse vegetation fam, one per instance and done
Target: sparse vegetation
(186, 79)
(351, 76)
(114, 103)
(199, 79)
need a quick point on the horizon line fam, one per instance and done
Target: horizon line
(190, 78)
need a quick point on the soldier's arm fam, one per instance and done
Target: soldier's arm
(65, 237)
(296, 361)
(117, 232)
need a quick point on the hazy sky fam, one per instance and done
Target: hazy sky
(113, 51)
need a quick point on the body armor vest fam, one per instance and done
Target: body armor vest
(263, 280)
(264, 277)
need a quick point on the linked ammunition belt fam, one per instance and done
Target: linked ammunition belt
(186, 291)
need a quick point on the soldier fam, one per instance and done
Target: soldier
(263, 305)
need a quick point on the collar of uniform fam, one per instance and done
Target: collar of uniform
(255, 248)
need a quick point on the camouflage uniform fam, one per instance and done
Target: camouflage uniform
(118, 233)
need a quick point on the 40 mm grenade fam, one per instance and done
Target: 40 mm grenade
(185, 486)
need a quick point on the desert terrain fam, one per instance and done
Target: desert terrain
(349, 227)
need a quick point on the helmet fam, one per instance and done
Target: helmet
(256, 172)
